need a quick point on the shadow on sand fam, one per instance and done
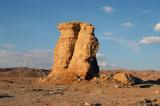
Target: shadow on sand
(149, 83)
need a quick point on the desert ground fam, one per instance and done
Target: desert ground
(21, 87)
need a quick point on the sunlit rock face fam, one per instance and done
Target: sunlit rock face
(75, 52)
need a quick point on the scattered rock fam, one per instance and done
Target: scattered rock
(92, 104)
(148, 102)
(4, 95)
(117, 86)
(87, 104)
(104, 77)
(49, 92)
(96, 104)
(38, 90)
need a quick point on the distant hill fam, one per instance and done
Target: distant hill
(23, 72)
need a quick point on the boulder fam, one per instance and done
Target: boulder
(126, 78)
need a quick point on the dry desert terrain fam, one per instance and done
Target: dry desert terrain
(21, 87)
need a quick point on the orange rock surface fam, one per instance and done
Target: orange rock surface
(75, 52)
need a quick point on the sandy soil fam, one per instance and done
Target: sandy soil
(26, 91)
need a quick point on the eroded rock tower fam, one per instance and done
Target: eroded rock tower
(75, 52)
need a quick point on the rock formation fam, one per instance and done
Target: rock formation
(75, 52)
(127, 79)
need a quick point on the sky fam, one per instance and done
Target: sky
(128, 31)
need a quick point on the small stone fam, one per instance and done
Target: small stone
(87, 104)
(117, 86)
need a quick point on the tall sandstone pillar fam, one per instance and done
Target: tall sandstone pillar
(75, 52)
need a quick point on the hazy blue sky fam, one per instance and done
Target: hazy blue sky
(128, 31)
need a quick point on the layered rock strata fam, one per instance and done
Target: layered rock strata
(75, 52)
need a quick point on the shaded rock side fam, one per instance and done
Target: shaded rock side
(75, 52)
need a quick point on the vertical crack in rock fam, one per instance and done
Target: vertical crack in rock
(75, 52)
(84, 62)
(77, 30)
(65, 46)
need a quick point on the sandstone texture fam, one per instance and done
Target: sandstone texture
(75, 52)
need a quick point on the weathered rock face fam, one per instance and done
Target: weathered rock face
(75, 51)
(65, 46)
